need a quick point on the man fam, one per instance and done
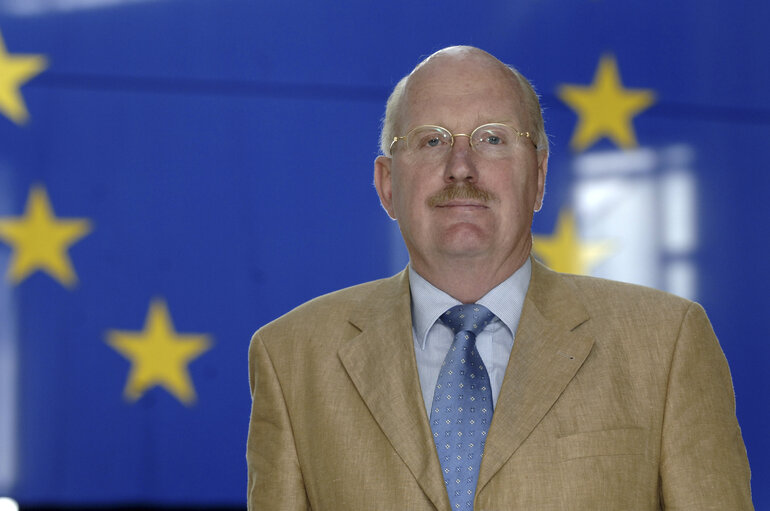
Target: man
(379, 397)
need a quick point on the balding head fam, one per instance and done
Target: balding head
(462, 62)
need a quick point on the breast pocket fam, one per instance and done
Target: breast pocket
(608, 442)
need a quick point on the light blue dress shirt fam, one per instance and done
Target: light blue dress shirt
(432, 339)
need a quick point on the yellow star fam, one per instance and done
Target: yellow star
(564, 252)
(605, 108)
(40, 240)
(15, 70)
(158, 355)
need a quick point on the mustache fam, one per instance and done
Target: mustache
(465, 191)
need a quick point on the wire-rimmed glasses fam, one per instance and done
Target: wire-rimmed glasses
(492, 140)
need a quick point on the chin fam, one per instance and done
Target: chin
(465, 234)
(464, 247)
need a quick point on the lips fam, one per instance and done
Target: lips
(458, 203)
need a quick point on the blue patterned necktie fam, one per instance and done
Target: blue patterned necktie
(462, 405)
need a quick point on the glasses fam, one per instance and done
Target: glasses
(493, 140)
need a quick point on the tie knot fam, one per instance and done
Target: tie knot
(470, 317)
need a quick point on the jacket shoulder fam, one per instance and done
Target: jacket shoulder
(631, 304)
(334, 307)
(608, 299)
(616, 291)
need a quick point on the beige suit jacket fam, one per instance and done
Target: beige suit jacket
(616, 397)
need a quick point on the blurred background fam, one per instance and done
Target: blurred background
(176, 173)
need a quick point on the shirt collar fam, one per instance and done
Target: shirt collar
(505, 301)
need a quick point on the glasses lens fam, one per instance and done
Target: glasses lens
(428, 141)
(495, 140)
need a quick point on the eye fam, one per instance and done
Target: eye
(492, 136)
(428, 138)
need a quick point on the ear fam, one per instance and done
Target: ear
(542, 170)
(383, 183)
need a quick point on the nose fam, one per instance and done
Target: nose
(460, 163)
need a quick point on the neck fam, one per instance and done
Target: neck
(467, 280)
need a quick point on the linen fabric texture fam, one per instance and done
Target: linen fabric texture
(615, 397)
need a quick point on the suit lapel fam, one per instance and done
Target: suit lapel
(380, 361)
(548, 350)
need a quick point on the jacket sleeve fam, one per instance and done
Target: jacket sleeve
(703, 459)
(274, 477)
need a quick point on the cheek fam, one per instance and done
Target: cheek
(521, 195)
(404, 190)
(527, 182)
(408, 191)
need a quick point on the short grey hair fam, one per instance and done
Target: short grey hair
(530, 98)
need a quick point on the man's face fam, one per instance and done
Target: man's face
(461, 94)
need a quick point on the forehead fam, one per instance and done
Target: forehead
(460, 94)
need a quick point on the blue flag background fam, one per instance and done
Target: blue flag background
(176, 173)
